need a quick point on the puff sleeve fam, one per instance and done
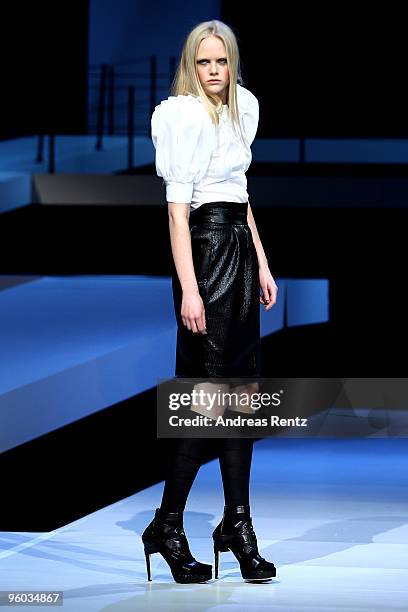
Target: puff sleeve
(249, 111)
(183, 136)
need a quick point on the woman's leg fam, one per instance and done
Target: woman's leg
(190, 453)
(235, 464)
(235, 458)
(236, 453)
(165, 533)
(235, 532)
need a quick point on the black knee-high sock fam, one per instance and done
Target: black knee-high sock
(189, 456)
(235, 464)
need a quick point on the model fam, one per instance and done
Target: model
(202, 135)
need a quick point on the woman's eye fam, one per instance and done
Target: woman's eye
(224, 61)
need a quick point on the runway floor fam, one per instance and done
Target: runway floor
(331, 514)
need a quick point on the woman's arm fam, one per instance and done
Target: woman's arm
(262, 261)
(192, 308)
(181, 245)
(266, 281)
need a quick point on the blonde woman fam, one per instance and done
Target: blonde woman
(202, 134)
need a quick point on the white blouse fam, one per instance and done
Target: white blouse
(196, 166)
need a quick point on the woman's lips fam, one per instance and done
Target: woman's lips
(215, 81)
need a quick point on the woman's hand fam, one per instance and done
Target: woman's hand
(268, 286)
(192, 312)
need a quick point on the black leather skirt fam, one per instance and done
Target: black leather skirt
(226, 268)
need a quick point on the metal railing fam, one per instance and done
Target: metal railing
(121, 101)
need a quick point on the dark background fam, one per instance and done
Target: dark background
(332, 70)
(44, 67)
(317, 72)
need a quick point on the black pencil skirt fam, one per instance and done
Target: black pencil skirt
(226, 269)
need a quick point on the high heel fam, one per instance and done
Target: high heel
(235, 532)
(165, 534)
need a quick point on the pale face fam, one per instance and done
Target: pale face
(212, 64)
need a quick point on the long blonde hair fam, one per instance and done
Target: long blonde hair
(186, 80)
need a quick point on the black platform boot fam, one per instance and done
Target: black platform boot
(235, 533)
(166, 535)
